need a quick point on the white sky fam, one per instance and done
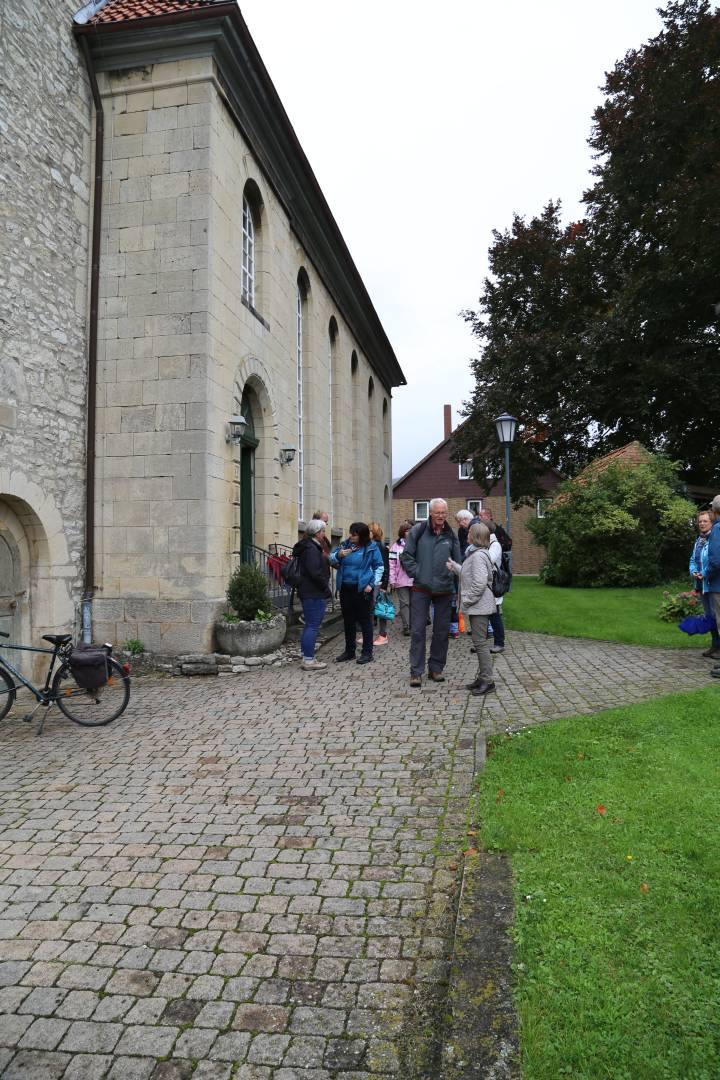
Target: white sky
(428, 125)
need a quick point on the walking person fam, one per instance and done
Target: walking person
(698, 561)
(313, 590)
(711, 567)
(377, 534)
(495, 550)
(400, 581)
(360, 569)
(428, 548)
(477, 602)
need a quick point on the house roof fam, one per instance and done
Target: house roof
(440, 445)
(116, 11)
(634, 453)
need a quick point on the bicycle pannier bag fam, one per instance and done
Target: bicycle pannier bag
(89, 666)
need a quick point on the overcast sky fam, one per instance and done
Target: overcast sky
(428, 125)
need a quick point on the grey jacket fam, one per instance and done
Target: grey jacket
(476, 596)
(425, 558)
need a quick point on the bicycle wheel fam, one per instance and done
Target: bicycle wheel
(92, 708)
(7, 693)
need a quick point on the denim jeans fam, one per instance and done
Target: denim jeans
(313, 611)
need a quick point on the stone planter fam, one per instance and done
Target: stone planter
(250, 638)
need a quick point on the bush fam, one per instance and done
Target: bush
(247, 592)
(624, 526)
(674, 606)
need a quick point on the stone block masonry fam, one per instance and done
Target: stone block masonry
(44, 180)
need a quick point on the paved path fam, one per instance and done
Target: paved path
(253, 876)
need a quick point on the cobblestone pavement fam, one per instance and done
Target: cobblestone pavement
(252, 875)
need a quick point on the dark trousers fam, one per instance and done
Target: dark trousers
(419, 610)
(498, 628)
(710, 612)
(357, 607)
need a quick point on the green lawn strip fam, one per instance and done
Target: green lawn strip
(617, 935)
(626, 615)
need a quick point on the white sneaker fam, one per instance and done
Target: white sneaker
(313, 665)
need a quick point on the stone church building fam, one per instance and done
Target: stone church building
(190, 363)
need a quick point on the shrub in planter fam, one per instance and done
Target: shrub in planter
(625, 526)
(247, 592)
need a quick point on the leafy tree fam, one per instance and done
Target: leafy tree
(620, 526)
(609, 330)
(530, 324)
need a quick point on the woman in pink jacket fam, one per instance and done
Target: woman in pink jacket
(400, 583)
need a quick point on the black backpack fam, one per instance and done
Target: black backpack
(501, 578)
(290, 572)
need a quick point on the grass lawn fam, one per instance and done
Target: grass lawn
(612, 826)
(628, 615)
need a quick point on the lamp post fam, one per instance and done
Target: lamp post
(506, 426)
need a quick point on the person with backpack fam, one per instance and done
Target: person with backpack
(477, 602)
(500, 561)
(428, 547)
(360, 570)
(313, 588)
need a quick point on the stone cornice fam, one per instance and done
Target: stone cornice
(221, 32)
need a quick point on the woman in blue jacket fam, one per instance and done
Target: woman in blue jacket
(699, 573)
(360, 569)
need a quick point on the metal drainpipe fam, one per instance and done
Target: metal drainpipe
(89, 588)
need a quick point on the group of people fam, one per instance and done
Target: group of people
(430, 570)
(705, 572)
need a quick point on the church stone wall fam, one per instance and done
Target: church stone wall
(178, 346)
(44, 206)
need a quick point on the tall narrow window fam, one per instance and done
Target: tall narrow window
(248, 253)
(332, 390)
(299, 313)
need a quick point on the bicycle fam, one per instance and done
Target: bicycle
(89, 708)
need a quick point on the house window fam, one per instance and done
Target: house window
(465, 470)
(541, 506)
(474, 506)
(248, 254)
(422, 510)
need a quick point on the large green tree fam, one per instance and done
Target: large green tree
(608, 330)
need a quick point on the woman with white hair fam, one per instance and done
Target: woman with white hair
(463, 518)
(314, 589)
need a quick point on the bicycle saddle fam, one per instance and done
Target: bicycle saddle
(57, 639)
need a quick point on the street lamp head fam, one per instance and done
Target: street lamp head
(505, 426)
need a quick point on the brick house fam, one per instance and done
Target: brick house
(437, 476)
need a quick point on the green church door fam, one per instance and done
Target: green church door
(247, 501)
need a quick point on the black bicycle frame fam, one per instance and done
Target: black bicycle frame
(41, 695)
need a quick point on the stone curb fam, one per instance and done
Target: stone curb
(480, 1037)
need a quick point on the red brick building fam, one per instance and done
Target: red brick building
(436, 476)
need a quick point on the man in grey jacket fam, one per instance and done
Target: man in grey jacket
(428, 547)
